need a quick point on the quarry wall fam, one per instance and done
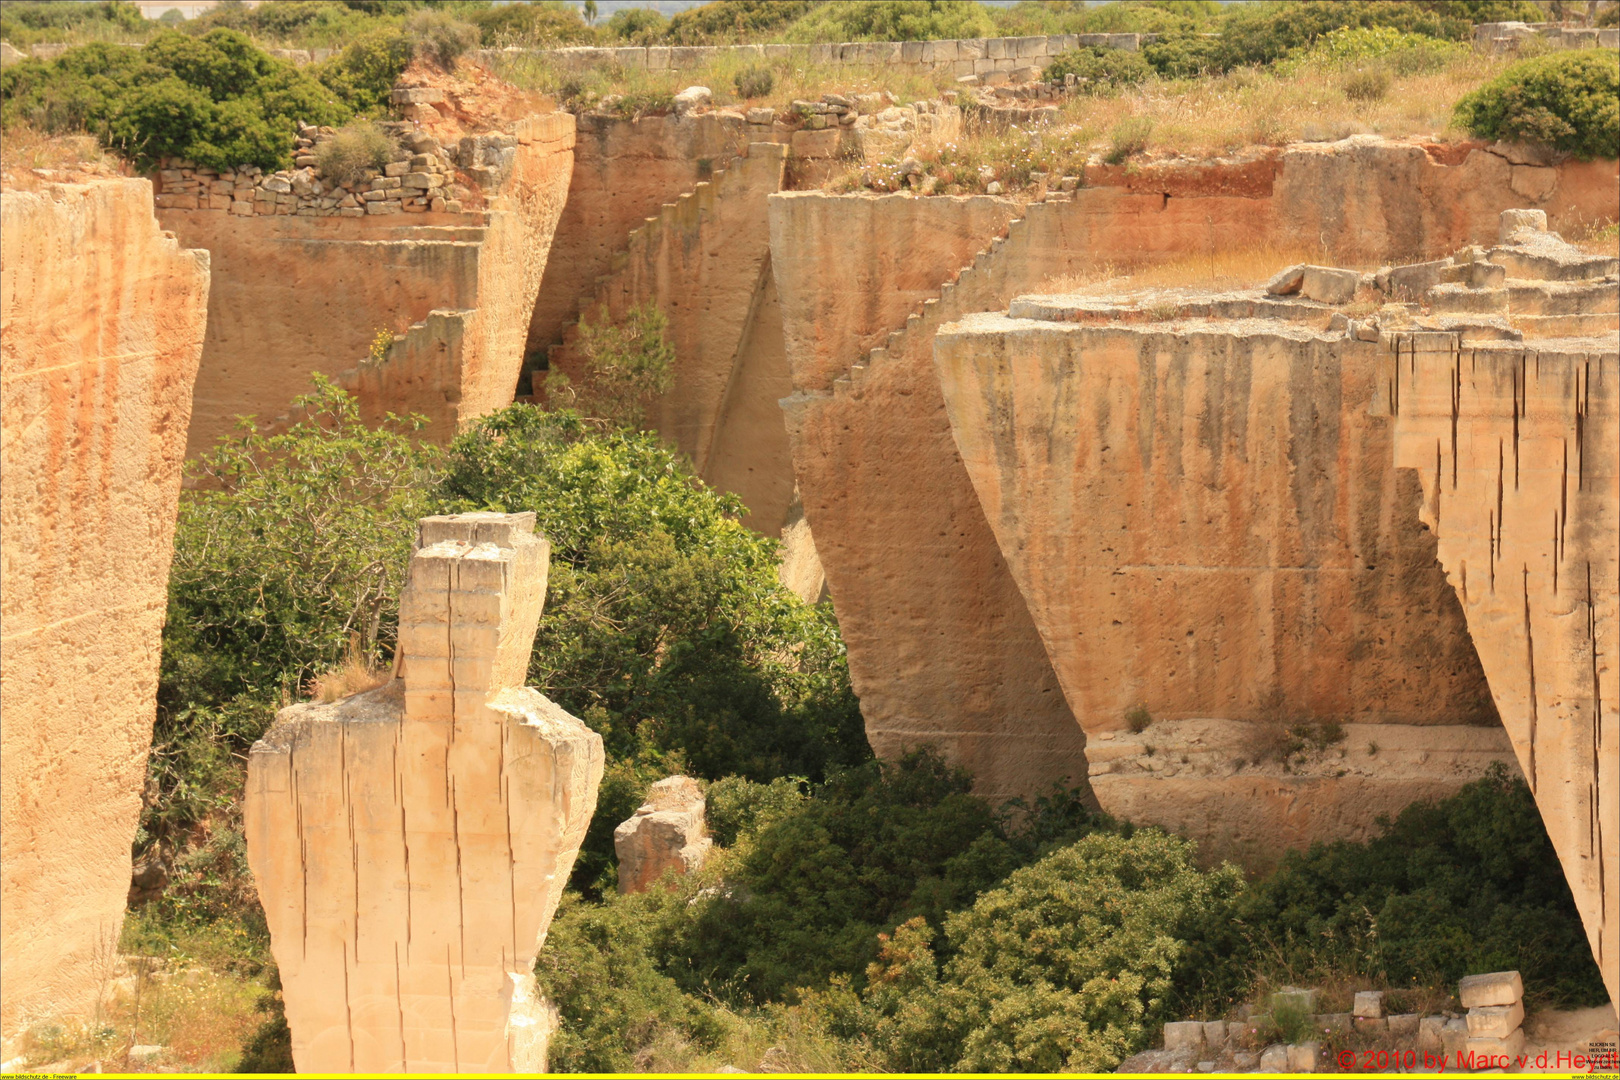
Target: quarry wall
(704, 261)
(101, 329)
(295, 294)
(924, 597)
(1518, 452)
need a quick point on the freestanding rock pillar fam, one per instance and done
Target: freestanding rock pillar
(411, 843)
(667, 832)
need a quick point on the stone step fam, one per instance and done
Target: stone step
(1562, 298)
(1537, 266)
(1595, 324)
(1462, 299)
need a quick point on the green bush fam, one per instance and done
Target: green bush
(1568, 101)
(1264, 32)
(814, 880)
(1067, 966)
(640, 25)
(364, 73)
(627, 361)
(1464, 885)
(893, 20)
(1368, 47)
(734, 20)
(346, 156)
(1100, 71)
(1030, 17)
(217, 100)
(1184, 55)
(542, 25)
(1368, 84)
(439, 37)
(25, 23)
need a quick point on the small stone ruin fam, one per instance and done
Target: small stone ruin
(667, 832)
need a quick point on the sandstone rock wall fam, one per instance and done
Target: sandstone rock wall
(704, 261)
(623, 171)
(295, 295)
(101, 326)
(1204, 523)
(1518, 451)
(411, 843)
(941, 646)
(667, 832)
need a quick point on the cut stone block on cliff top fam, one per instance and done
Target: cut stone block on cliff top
(667, 832)
(411, 843)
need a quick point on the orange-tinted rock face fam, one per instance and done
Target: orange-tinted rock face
(623, 171)
(941, 645)
(704, 262)
(1517, 452)
(295, 296)
(102, 327)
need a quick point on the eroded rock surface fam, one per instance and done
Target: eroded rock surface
(667, 832)
(103, 320)
(411, 843)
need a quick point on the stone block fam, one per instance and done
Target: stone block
(911, 52)
(219, 202)
(1371, 1025)
(1286, 282)
(1534, 182)
(762, 117)
(416, 95)
(630, 57)
(423, 181)
(1215, 1034)
(1453, 1036)
(693, 97)
(942, 52)
(1495, 1021)
(667, 833)
(278, 184)
(1498, 987)
(1494, 1053)
(1368, 1004)
(996, 48)
(1329, 285)
(657, 57)
(1428, 1033)
(1513, 221)
(1184, 1035)
(815, 144)
(396, 168)
(1404, 1025)
(1302, 1057)
(242, 208)
(1274, 1059)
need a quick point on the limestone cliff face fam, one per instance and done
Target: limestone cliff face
(941, 647)
(623, 171)
(704, 262)
(411, 844)
(941, 644)
(1518, 451)
(293, 296)
(103, 319)
(1204, 521)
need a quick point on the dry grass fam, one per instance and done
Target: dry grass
(1599, 239)
(25, 149)
(782, 1038)
(199, 1017)
(354, 674)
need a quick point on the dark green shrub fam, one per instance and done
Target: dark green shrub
(23, 23)
(1067, 966)
(894, 20)
(542, 25)
(1568, 101)
(737, 805)
(733, 20)
(1464, 885)
(640, 25)
(217, 100)
(1184, 55)
(1264, 32)
(1100, 71)
(754, 82)
(364, 73)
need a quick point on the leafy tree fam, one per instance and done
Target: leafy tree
(666, 628)
(627, 362)
(636, 24)
(291, 547)
(1264, 32)
(1567, 101)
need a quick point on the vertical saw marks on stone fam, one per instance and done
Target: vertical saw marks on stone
(411, 843)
